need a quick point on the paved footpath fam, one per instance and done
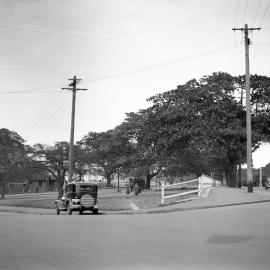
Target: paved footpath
(217, 197)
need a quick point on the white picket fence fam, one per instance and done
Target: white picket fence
(204, 184)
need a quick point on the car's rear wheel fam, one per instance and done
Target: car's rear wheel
(69, 210)
(95, 211)
(57, 211)
(80, 212)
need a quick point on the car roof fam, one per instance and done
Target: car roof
(82, 184)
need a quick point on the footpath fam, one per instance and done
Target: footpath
(217, 197)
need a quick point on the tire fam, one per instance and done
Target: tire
(95, 211)
(69, 210)
(57, 211)
(80, 212)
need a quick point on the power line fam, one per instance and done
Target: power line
(245, 11)
(49, 109)
(265, 11)
(76, 35)
(257, 9)
(39, 90)
(29, 92)
(137, 55)
(149, 67)
(135, 37)
(162, 64)
(62, 34)
(236, 12)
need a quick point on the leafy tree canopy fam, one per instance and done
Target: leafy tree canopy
(16, 164)
(107, 151)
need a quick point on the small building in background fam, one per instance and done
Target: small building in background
(37, 183)
(42, 183)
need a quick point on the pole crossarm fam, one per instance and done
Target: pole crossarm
(249, 29)
(77, 89)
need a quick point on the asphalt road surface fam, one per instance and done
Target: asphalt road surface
(234, 237)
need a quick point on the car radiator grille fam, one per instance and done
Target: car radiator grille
(87, 200)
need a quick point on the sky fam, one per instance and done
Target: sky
(125, 51)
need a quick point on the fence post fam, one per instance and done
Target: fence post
(162, 194)
(199, 187)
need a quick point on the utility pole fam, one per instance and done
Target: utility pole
(248, 118)
(261, 175)
(74, 89)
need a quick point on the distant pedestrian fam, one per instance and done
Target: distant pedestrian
(136, 189)
(127, 191)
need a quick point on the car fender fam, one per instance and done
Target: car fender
(60, 204)
(68, 201)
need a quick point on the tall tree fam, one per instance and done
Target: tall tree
(146, 161)
(107, 151)
(202, 118)
(54, 160)
(15, 159)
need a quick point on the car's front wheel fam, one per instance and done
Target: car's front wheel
(57, 211)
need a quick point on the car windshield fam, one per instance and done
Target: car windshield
(70, 188)
(87, 188)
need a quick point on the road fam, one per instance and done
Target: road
(234, 237)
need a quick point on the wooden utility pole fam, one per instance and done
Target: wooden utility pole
(248, 118)
(74, 89)
(261, 175)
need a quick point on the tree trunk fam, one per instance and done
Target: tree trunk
(148, 180)
(149, 176)
(60, 188)
(231, 174)
(108, 177)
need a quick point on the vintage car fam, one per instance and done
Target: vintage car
(267, 183)
(78, 196)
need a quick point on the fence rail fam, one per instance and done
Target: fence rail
(204, 184)
(163, 187)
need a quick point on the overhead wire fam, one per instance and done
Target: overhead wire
(136, 70)
(38, 90)
(135, 37)
(122, 57)
(161, 64)
(256, 13)
(166, 62)
(236, 12)
(245, 12)
(76, 35)
(59, 33)
(27, 92)
(265, 11)
(48, 109)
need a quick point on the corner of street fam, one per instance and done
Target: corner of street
(217, 197)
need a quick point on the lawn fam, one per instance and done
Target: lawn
(109, 200)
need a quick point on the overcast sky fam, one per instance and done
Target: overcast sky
(123, 50)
